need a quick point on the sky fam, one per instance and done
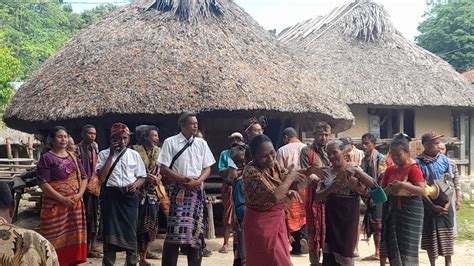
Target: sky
(279, 14)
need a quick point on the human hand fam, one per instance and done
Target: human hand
(77, 197)
(135, 185)
(114, 146)
(294, 195)
(439, 210)
(67, 201)
(319, 171)
(397, 186)
(153, 179)
(193, 185)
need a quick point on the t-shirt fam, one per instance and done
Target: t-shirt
(225, 161)
(409, 172)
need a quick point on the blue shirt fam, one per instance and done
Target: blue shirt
(438, 168)
(238, 199)
(225, 161)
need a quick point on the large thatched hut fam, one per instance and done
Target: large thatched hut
(149, 61)
(356, 52)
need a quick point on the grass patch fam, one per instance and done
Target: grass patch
(465, 220)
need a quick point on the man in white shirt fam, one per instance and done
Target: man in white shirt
(122, 170)
(186, 161)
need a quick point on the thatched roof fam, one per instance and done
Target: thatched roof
(168, 56)
(356, 52)
(15, 136)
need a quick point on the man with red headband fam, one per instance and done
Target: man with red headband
(122, 172)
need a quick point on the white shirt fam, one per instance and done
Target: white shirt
(290, 155)
(128, 169)
(192, 161)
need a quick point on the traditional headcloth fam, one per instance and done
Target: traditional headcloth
(119, 128)
(321, 126)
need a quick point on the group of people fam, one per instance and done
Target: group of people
(292, 200)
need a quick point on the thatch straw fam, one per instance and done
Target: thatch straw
(151, 63)
(357, 53)
(15, 136)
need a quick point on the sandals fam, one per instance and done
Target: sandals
(371, 258)
(94, 255)
(152, 256)
(223, 250)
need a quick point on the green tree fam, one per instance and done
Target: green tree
(92, 15)
(448, 31)
(9, 69)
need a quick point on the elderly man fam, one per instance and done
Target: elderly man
(437, 237)
(20, 246)
(186, 161)
(122, 171)
(315, 154)
(288, 155)
(224, 166)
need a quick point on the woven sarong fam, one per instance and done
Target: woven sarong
(65, 227)
(437, 237)
(119, 210)
(266, 237)
(228, 215)
(185, 221)
(296, 214)
(342, 222)
(401, 230)
(315, 221)
(147, 224)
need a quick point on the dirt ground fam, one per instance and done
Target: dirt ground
(464, 255)
(464, 250)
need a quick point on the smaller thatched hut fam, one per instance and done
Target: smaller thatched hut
(356, 52)
(17, 144)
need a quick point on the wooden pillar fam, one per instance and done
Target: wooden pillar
(471, 141)
(401, 118)
(211, 231)
(9, 148)
(462, 136)
(30, 149)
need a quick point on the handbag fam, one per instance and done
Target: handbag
(93, 185)
(377, 194)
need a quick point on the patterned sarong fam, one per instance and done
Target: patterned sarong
(401, 230)
(65, 227)
(147, 224)
(315, 221)
(185, 221)
(296, 214)
(437, 237)
(228, 206)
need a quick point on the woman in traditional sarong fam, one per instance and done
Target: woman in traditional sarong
(341, 193)
(147, 147)
(403, 213)
(266, 188)
(63, 182)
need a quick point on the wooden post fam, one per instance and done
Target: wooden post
(463, 138)
(9, 148)
(401, 118)
(471, 141)
(211, 230)
(30, 149)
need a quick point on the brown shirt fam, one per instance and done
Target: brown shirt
(320, 159)
(259, 185)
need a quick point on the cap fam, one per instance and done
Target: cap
(236, 135)
(431, 135)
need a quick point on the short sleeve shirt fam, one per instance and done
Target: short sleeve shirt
(259, 185)
(128, 169)
(192, 161)
(51, 167)
(225, 161)
(410, 172)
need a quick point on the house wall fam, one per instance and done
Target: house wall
(426, 119)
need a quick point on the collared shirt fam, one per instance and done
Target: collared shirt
(128, 169)
(290, 155)
(436, 169)
(36, 249)
(192, 161)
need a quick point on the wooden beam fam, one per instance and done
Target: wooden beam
(9, 148)
(471, 141)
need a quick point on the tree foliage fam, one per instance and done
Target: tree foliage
(448, 31)
(30, 32)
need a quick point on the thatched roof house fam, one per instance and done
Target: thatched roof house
(356, 52)
(146, 62)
